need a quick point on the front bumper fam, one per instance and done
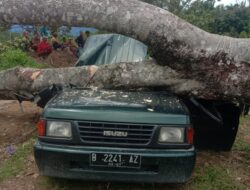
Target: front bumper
(160, 166)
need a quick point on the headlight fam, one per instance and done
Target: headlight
(171, 135)
(58, 129)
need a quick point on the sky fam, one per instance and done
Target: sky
(226, 2)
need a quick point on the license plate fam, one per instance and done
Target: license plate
(115, 160)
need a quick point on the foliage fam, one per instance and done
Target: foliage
(231, 20)
(200, 13)
(242, 144)
(3, 47)
(16, 57)
(16, 43)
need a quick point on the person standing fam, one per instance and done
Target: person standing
(87, 34)
(55, 42)
(35, 41)
(80, 40)
(44, 48)
(44, 31)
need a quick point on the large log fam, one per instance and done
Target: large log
(23, 81)
(219, 64)
(130, 75)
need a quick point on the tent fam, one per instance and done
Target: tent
(110, 49)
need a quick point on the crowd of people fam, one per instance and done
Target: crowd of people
(43, 44)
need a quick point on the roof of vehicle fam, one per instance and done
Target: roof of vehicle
(110, 49)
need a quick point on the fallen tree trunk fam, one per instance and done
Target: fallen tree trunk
(23, 81)
(219, 64)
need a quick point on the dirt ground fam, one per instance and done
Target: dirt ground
(17, 127)
(57, 59)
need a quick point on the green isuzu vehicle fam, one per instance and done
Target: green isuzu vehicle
(114, 135)
(132, 136)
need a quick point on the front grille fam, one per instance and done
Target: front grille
(136, 134)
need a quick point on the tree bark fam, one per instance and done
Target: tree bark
(23, 81)
(219, 63)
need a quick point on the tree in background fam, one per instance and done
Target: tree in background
(200, 13)
(230, 20)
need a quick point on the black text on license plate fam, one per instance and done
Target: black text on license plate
(115, 160)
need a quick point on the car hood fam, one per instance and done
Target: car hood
(118, 106)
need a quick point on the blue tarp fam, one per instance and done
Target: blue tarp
(110, 49)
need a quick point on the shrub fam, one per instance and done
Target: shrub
(16, 57)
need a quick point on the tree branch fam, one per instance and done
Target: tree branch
(219, 65)
(115, 76)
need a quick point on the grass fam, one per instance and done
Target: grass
(241, 144)
(16, 163)
(205, 178)
(213, 178)
(16, 57)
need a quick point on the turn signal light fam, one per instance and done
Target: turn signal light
(190, 135)
(41, 127)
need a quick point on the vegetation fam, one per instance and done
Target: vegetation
(16, 57)
(12, 52)
(231, 20)
(16, 43)
(16, 163)
(242, 144)
(213, 178)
